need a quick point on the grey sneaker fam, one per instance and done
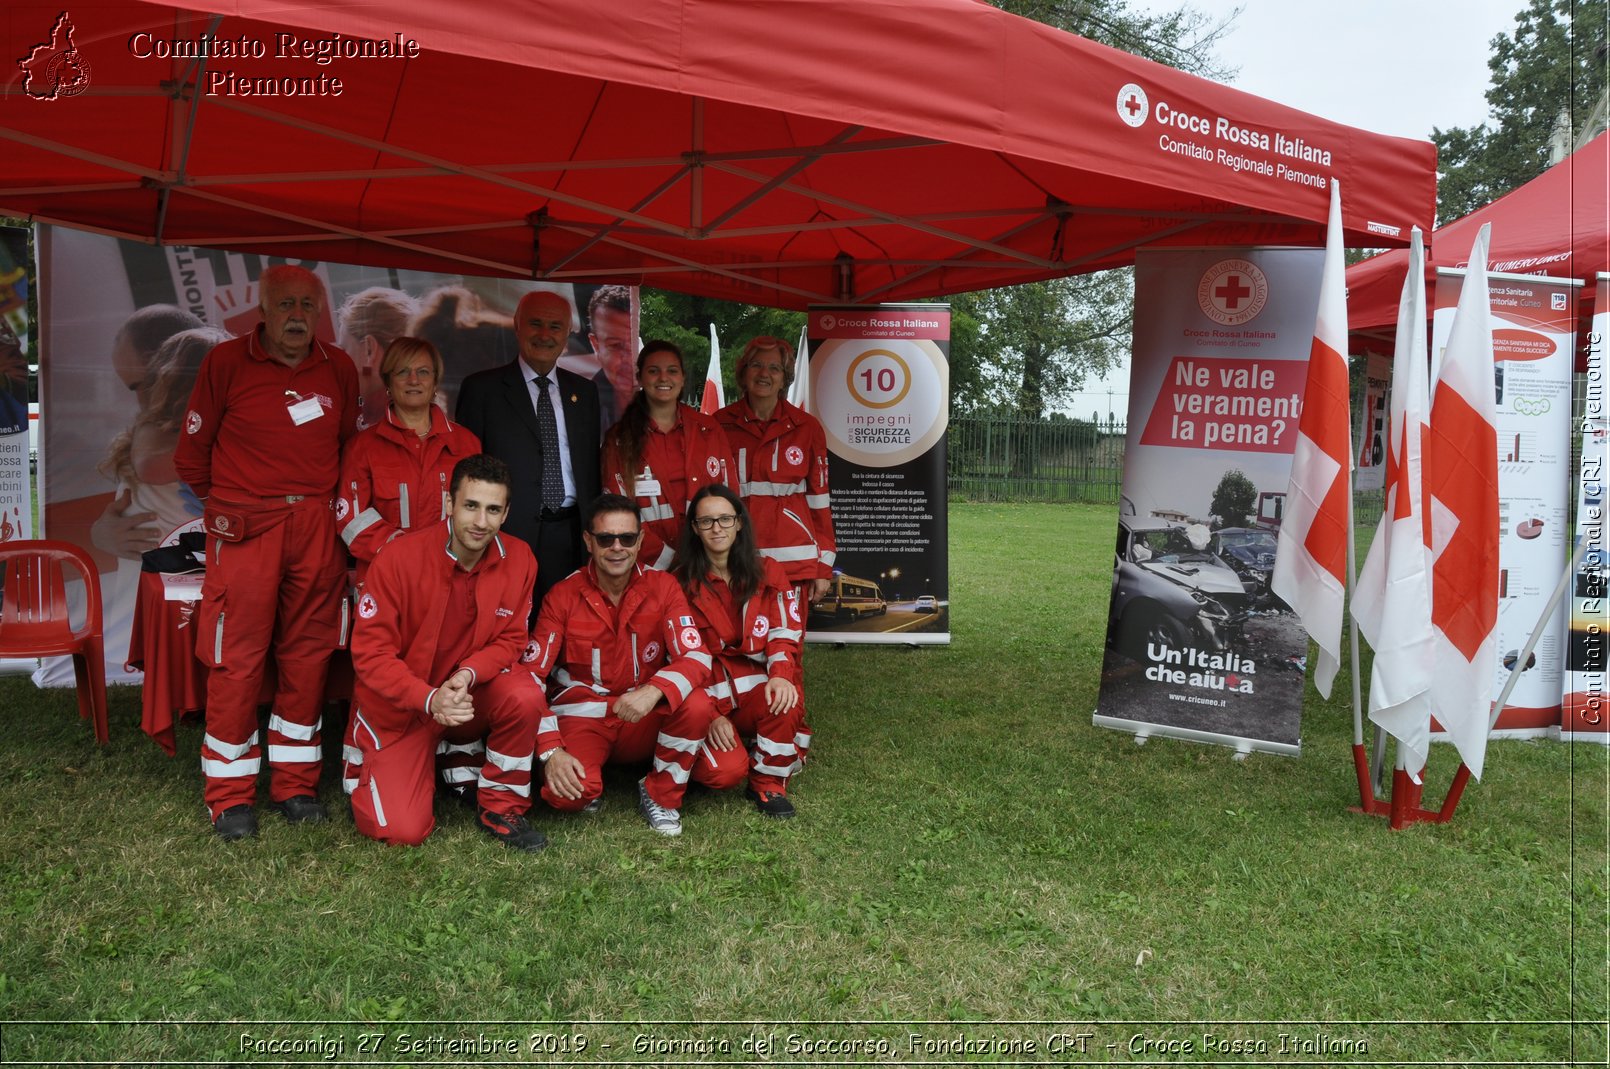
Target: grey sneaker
(594, 807)
(660, 819)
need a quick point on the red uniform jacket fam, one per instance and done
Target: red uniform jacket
(591, 650)
(692, 454)
(239, 435)
(399, 625)
(782, 467)
(393, 481)
(754, 642)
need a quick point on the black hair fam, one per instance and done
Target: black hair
(692, 565)
(611, 503)
(631, 430)
(484, 467)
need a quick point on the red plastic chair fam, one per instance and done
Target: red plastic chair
(34, 622)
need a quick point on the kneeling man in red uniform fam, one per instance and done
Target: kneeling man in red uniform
(436, 652)
(618, 643)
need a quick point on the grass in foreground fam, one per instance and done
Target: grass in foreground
(969, 847)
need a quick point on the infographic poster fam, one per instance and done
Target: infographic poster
(1534, 339)
(880, 384)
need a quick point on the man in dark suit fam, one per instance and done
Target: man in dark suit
(543, 422)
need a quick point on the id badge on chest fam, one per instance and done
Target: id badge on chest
(302, 409)
(647, 484)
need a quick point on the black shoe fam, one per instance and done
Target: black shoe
(236, 822)
(303, 809)
(465, 794)
(513, 831)
(774, 805)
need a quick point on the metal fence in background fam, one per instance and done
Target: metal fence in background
(1003, 458)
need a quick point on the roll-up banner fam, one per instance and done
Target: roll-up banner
(1534, 339)
(112, 311)
(1584, 716)
(880, 384)
(1197, 646)
(16, 477)
(1369, 465)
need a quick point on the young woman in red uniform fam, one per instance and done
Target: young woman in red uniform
(394, 476)
(661, 452)
(750, 618)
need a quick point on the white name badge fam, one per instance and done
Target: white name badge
(648, 488)
(305, 411)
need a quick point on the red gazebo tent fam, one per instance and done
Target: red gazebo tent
(1557, 224)
(781, 153)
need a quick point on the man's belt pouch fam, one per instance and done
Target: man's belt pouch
(233, 522)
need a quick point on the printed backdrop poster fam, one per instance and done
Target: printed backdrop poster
(880, 384)
(1583, 714)
(1197, 646)
(16, 479)
(111, 312)
(1369, 439)
(1534, 338)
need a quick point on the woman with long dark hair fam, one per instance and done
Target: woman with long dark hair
(750, 618)
(661, 452)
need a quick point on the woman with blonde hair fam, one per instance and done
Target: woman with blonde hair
(782, 468)
(394, 475)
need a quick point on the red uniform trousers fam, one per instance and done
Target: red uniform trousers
(595, 736)
(281, 591)
(777, 745)
(396, 783)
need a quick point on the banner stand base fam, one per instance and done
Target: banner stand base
(1143, 730)
(1405, 809)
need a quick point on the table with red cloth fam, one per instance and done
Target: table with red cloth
(162, 644)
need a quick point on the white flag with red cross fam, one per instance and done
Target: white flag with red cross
(713, 400)
(1392, 601)
(1310, 571)
(1461, 489)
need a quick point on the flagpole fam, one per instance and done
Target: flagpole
(1462, 776)
(1366, 793)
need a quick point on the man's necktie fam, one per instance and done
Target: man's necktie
(553, 479)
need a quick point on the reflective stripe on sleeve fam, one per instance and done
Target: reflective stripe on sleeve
(359, 524)
(818, 501)
(765, 489)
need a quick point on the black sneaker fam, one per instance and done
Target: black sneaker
(303, 809)
(236, 822)
(770, 803)
(513, 831)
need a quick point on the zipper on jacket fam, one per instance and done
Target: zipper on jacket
(218, 642)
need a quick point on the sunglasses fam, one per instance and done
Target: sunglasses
(607, 539)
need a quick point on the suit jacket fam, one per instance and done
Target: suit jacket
(496, 406)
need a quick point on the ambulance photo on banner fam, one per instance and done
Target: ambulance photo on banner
(880, 384)
(126, 326)
(1584, 716)
(1534, 344)
(1197, 645)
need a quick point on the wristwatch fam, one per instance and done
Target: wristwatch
(542, 758)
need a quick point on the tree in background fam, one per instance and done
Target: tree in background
(684, 320)
(1548, 77)
(1233, 499)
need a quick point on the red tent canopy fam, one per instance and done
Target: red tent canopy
(1557, 224)
(785, 152)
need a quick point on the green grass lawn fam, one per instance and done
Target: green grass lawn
(969, 849)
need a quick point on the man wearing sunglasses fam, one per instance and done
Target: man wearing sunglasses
(626, 668)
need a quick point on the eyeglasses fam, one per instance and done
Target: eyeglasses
(704, 523)
(607, 539)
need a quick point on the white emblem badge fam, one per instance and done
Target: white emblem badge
(192, 422)
(713, 466)
(367, 607)
(1133, 105)
(530, 653)
(762, 625)
(690, 638)
(795, 455)
(651, 653)
(341, 508)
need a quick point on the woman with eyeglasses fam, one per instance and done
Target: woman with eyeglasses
(394, 475)
(661, 452)
(782, 468)
(750, 618)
